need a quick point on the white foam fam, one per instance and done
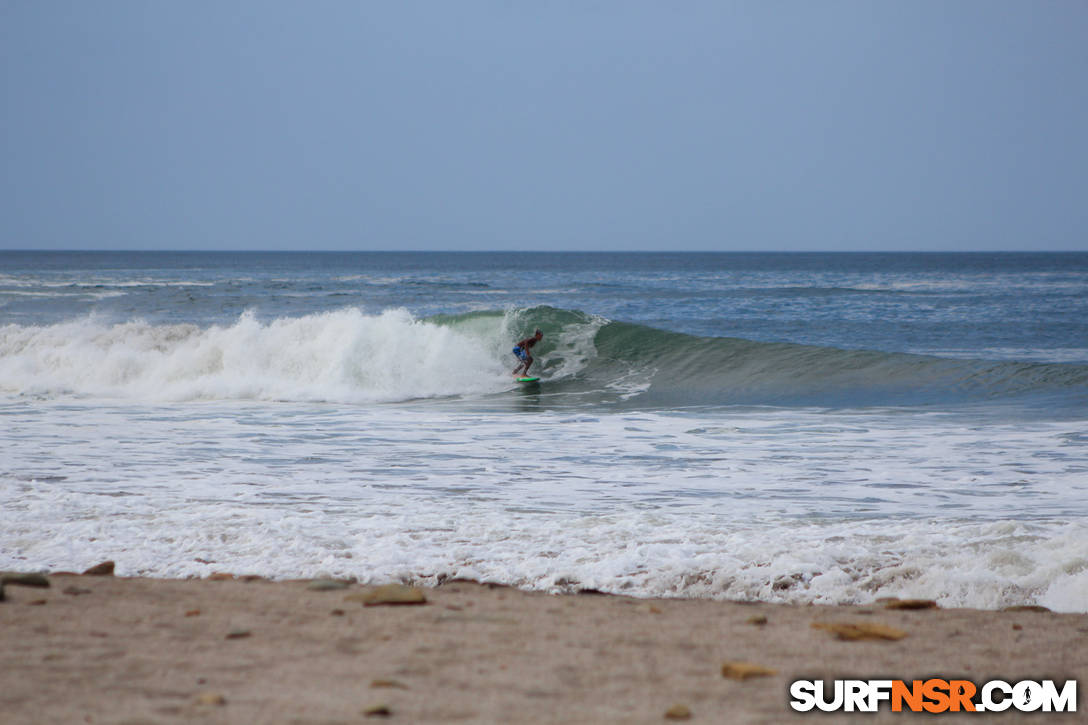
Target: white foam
(84, 282)
(794, 506)
(343, 355)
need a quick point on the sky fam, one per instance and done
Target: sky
(869, 125)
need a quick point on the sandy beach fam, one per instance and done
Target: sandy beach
(104, 649)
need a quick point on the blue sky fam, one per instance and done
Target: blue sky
(920, 125)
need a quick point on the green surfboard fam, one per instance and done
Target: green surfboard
(527, 380)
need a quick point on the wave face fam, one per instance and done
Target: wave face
(681, 369)
(657, 368)
(349, 356)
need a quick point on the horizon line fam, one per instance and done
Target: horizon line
(549, 251)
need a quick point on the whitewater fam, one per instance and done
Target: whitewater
(805, 428)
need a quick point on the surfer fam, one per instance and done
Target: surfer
(521, 351)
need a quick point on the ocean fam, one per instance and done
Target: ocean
(828, 428)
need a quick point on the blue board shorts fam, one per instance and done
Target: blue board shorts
(522, 355)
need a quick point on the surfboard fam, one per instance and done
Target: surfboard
(527, 380)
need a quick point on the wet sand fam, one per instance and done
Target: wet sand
(101, 649)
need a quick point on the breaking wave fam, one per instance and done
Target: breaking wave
(350, 356)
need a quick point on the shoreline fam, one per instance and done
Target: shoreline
(105, 649)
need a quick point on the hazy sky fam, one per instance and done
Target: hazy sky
(762, 125)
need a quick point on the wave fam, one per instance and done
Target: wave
(344, 356)
(738, 371)
(350, 356)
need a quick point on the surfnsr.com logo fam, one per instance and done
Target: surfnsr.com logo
(933, 695)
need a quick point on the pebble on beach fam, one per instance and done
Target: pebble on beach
(855, 631)
(210, 698)
(378, 711)
(745, 670)
(103, 569)
(390, 594)
(388, 683)
(24, 579)
(678, 712)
